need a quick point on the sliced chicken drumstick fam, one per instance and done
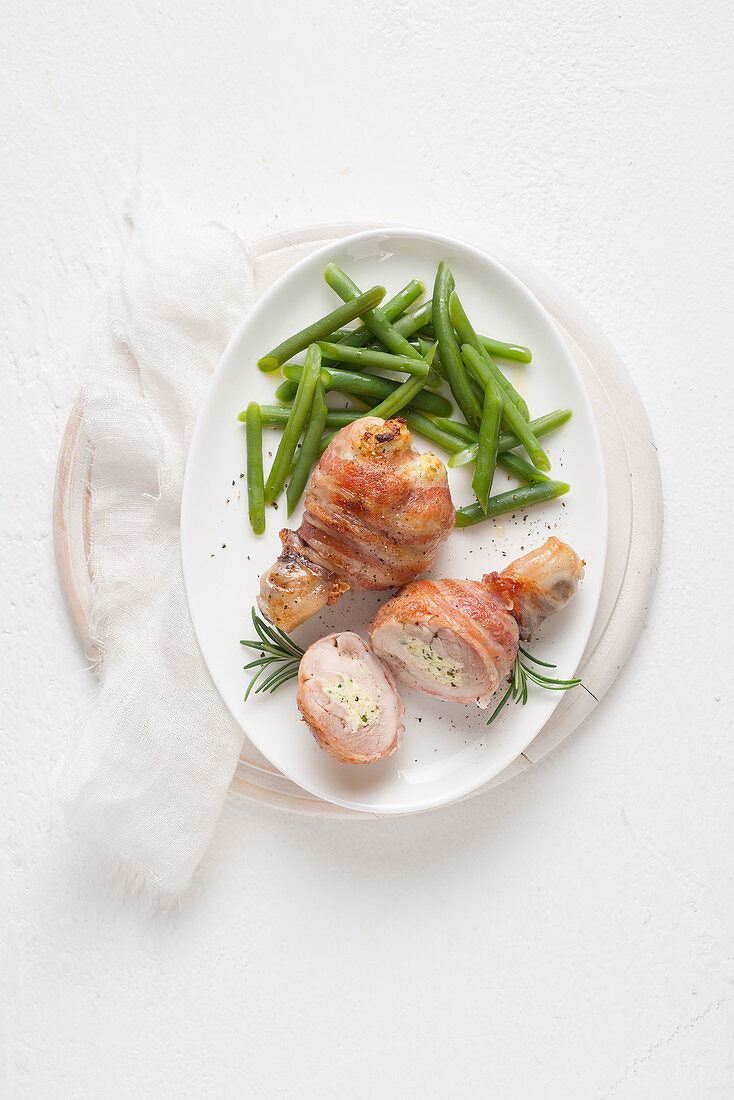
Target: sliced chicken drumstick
(458, 639)
(348, 699)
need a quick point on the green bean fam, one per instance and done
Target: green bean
(255, 488)
(467, 335)
(373, 388)
(477, 389)
(519, 468)
(451, 364)
(464, 457)
(497, 348)
(402, 396)
(500, 350)
(541, 426)
(511, 416)
(507, 441)
(429, 429)
(355, 307)
(425, 347)
(512, 501)
(294, 427)
(286, 391)
(406, 325)
(276, 416)
(396, 307)
(308, 453)
(489, 431)
(366, 357)
(413, 322)
(460, 431)
(374, 319)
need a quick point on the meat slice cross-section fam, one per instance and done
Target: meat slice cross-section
(348, 699)
(453, 639)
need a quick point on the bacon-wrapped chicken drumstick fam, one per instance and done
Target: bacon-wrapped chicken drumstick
(376, 514)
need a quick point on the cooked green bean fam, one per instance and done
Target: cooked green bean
(396, 307)
(433, 379)
(413, 322)
(255, 487)
(299, 414)
(507, 441)
(464, 457)
(374, 388)
(477, 390)
(286, 391)
(500, 350)
(374, 319)
(451, 364)
(407, 325)
(512, 501)
(429, 429)
(355, 307)
(540, 426)
(402, 396)
(367, 357)
(427, 347)
(460, 431)
(519, 468)
(467, 335)
(511, 416)
(308, 453)
(276, 416)
(489, 431)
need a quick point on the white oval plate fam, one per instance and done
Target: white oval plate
(447, 749)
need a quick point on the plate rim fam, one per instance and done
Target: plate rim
(274, 290)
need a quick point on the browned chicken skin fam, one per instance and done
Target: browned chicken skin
(458, 639)
(376, 514)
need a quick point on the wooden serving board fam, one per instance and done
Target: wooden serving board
(635, 517)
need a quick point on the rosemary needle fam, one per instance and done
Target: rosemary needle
(521, 674)
(280, 656)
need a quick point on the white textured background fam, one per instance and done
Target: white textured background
(571, 934)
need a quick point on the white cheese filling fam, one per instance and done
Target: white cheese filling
(446, 670)
(359, 705)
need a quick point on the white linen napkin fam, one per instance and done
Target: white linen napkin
(158, 749)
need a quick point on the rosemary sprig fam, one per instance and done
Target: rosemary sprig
(521, 673)
(280, 656)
